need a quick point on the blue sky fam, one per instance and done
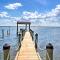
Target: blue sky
(40, 12)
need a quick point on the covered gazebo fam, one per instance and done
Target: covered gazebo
(25, 23)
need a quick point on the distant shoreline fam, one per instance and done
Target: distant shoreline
(32, 26)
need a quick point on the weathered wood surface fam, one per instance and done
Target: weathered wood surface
(27, 50)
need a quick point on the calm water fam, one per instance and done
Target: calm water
(45, 35)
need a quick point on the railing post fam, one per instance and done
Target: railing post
(32, 34)
(6, 49)
(29, 26)
(36, 37)
(22, 33)
(17, 29)
(19, 38)
(36, 40)
(49, 52)
(26, 27)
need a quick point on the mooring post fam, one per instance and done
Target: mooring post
(32, 34)
(36, 37)
(2, 33)
(9, 30)
(19, 37)
(36, 40)
(21, 30)
(49, 52)
(19, 42)
(17, 29)
(6, 50)
(26, 27)
(23, 33)
(29, 26)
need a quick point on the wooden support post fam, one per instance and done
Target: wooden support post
(32, 34)
(2, 33)
(26, 27)
(21, 33)
(35, 45)
(36, 37)
(49, 52)
(17, 29)
(19, 38)
(29, 26)
(19, 42)
(6, 49)
(36, 40)
(9, 30)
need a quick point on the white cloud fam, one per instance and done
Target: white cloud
(54, 12)
(7, 22)
(51, 18)
(4, 14)
(27, 14)
(13, 6)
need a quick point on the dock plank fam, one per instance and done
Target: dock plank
(27, 50)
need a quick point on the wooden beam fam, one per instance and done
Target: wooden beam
(18, 22)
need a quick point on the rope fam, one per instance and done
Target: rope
(41, 49)
(46, 52)
(39, 56)
(18, 55)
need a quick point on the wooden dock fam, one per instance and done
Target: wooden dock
(27, 50)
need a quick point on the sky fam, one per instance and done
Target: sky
(38, 12)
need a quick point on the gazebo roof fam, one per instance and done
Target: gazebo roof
(23, 22)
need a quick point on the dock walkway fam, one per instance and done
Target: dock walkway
(27, 50)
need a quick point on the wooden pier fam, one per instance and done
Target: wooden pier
(27, 50)
(27, 47)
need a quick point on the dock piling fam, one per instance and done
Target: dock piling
(7, 32)
(36, 40)
(49, 52)
(32, 34)
(2, 33)
(6, 49)
(22, 33)
(19, 42)
(36, 37)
